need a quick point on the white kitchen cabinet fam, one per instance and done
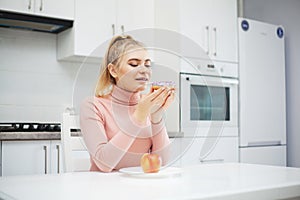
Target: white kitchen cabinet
(175, 152)
(31, 157)
(266, 155)
(212, 26)
(166, 16)
(209, 150)
(134, 14)
(18, 6)
(96, 22)
(63, 9)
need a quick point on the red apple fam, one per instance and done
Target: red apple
(150, 162)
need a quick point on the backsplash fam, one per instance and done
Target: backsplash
(34, 85)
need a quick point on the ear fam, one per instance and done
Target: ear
(112, 70)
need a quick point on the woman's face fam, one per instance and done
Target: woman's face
(134, 70)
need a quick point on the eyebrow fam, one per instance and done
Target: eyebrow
(136, 59)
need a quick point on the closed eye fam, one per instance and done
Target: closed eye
(134, 62)
(133, 65)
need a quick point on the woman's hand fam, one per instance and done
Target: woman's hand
(154, 104)
(156, 114)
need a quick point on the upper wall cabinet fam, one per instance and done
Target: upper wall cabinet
(96, 22)
(212, 26)
(51, 8)
(134, 14)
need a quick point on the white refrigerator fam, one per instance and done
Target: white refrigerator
(262, 93)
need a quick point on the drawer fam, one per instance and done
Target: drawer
(209, 150)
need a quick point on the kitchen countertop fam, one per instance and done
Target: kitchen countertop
(4, 136)
(206, 181)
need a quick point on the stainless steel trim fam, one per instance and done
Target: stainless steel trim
(58, 158)
(264, 143)
(240, 5)
(30, 22)
(122, 29)
(41, 5)
(175, 134)
(207, 39)
(212, 160)
(46, 159)
(29, 5)
(215, 50)
(113, 29)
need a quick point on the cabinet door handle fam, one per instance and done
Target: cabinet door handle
(207, 39)
(113, 29)
(29, 5)
(41, 5)
(122, 29)
(58, 158)
(212, 160)
(264, 143)
(215, 37)
(46, 159)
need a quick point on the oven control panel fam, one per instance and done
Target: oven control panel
(210, 68)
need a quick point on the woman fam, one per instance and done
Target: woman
(120, 124)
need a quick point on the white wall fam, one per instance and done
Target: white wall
(34, 86)
(286, 13)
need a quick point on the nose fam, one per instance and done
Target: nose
(144, 69)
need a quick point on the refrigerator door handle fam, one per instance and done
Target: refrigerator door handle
(264, 143)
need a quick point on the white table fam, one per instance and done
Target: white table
(206, 181)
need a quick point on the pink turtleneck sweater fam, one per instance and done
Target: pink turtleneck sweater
(113, 137)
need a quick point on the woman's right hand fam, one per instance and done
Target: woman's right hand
(149, 103)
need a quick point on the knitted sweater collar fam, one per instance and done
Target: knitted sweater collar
(124, 97)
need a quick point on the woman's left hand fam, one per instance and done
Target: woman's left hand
(158, 111)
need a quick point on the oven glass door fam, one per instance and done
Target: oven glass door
(209, 102)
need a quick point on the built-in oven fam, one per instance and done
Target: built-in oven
(209, 99)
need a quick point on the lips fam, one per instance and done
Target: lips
(142, 79)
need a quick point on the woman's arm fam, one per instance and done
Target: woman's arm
(105, 153)
(161, 141)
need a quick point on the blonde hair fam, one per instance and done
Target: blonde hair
(118, 46)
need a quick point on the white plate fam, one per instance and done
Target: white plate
(138, 172)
